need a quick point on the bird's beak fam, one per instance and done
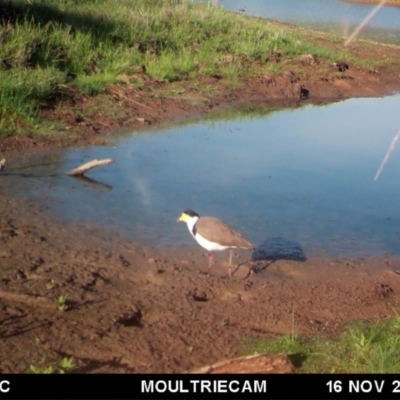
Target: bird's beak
(181, 218)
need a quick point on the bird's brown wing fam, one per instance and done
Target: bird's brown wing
(215, 230)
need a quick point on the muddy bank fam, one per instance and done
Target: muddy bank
(131, 308)
(304, 79)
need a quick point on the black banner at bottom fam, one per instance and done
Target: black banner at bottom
(200, 386)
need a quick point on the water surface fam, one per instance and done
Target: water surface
(302, 177)
(332, 15)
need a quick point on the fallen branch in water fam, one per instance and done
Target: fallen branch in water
(89, 165)
(91, 181)
(2, 164)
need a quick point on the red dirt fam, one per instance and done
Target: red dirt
(137, 309)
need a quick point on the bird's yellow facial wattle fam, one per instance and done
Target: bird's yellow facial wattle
(182, 218)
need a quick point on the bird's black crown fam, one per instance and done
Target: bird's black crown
(191, 213)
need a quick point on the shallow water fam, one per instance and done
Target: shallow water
(294, 179)
(331, 15)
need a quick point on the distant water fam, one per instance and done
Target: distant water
(331, 15)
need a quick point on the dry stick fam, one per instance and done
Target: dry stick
(127, 98)
(29, 299)
(388, 153)
(89, 165)
(364, 22)
(257, 363)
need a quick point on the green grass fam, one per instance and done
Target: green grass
(48, 47)
(362, 347)
(65, 365)
(61, 302)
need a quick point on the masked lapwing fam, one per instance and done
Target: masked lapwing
(214, 234)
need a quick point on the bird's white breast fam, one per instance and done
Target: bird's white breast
(210, 246)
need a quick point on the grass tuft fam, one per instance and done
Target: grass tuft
(46, 45)
(363, 347)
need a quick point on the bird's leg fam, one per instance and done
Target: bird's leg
(230, 263)
(210, 261)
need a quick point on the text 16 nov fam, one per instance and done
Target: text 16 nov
(362, 386)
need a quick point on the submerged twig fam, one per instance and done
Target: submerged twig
(92, 181)
(89, 165)
(387, 155)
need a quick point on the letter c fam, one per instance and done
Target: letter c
(4, 386)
